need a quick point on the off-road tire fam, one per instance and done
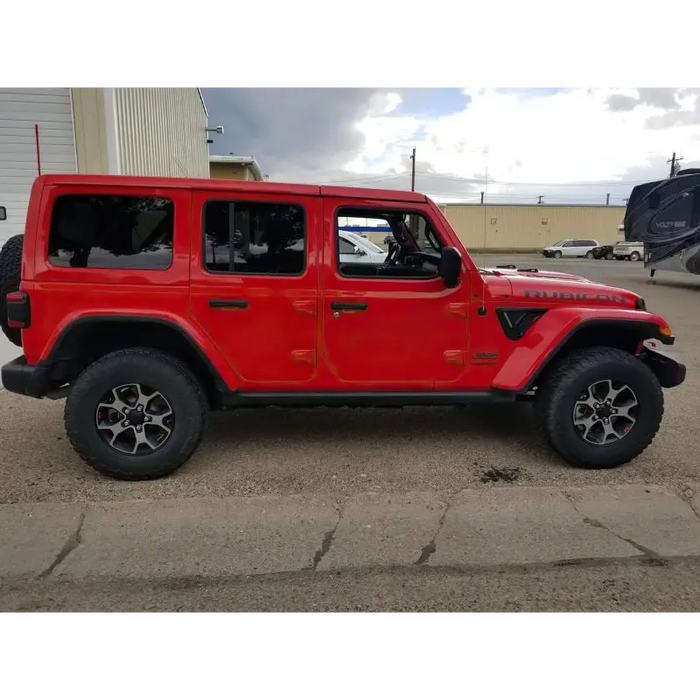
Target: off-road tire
(556, 254)
(635, 256)
(555, 401)
(156, 369)
(590, 255)
(10, 278)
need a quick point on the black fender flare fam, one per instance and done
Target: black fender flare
(56, 353)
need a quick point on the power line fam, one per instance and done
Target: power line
(480, 181)
(589, 183)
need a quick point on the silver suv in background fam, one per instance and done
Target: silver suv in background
(628, 250)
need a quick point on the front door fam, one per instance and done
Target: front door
(254, 284)
(385, 327)
(569, 249)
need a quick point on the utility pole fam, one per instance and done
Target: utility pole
(674, 164)
(413, 170)
(540, 198)
(607, 200)
(482, 197)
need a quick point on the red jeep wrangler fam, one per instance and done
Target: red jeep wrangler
(148, 302)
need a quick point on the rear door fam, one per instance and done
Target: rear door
(254, 284)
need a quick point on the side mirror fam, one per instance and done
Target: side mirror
(450, 266)
(3, 213)
(359, 251)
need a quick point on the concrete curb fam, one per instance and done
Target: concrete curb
(264, 535)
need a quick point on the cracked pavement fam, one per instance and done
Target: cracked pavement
(229, 538)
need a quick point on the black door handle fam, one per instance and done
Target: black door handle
(228, 303)
(348, 305)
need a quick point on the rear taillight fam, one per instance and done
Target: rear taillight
(18, 310)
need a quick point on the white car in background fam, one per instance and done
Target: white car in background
(628, 250)
(357, 249)
(571, 248)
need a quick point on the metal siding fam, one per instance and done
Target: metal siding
(521, 227)
(20, 110)
(90, 134)
(161, 132)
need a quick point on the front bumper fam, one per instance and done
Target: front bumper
(669, 371)
(28, 380)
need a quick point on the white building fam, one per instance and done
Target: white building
(121, 131)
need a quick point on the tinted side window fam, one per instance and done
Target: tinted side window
(254, 238)
(112, 232)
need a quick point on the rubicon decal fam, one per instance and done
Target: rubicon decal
(574, 296)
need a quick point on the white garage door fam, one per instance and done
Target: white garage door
(20, 111)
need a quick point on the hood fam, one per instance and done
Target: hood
(532, 285)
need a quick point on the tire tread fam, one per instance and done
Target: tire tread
(73, 421)
(10, 279)
(548, 400)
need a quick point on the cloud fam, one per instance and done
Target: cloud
(565, 144)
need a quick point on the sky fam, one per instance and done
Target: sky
(568, 145)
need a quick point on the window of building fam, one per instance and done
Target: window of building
(254, 238)
(103, 231)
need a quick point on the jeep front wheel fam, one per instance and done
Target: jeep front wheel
(600, 408)
(136, 414)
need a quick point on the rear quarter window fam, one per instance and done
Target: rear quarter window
(117, 232)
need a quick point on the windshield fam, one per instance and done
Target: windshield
(356, 239)
(558, 244)
(373, 247)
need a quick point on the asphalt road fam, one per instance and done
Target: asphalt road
(345, 454)
(633, 586)
(346, 451)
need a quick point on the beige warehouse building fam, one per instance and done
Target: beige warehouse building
(235, 168)
(119, 131)
(531, 227)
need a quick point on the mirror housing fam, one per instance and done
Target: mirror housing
(359, 251)
(450, 266)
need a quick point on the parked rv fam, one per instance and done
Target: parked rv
(664, 216)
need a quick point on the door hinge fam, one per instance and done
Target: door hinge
(307, 357)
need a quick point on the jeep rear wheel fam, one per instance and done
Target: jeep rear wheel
(136, 414)
(600, 408)
(10, 278)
